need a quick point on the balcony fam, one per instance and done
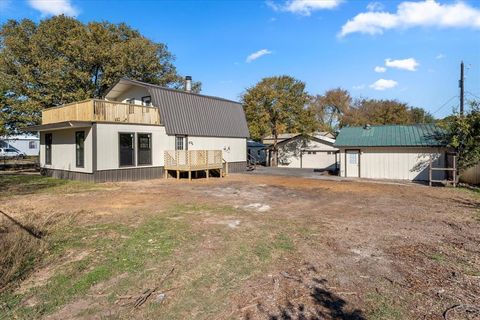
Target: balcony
(101, 111)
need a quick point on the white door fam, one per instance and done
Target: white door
(352, 163)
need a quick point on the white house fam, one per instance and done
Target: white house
(391, 152)
(138, 130)
(315, 151)
(26, 143)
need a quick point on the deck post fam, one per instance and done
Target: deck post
(207, 172)
(189, 175)
(454, 171)
(430, 172)
(178, 174)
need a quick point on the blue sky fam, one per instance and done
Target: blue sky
(415, 46)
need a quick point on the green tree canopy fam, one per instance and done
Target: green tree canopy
(277, 105)
(463, 134)
(329, 108)
(61, 60)
(381, 112)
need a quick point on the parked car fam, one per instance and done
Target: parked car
(10, 153)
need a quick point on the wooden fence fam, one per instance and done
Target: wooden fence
(471, 175)
(102, 110)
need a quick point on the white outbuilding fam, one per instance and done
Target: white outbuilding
(400, 152)
(309, 151)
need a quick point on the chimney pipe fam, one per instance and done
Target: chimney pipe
(188, 83)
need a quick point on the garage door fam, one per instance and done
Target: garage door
(318, 160)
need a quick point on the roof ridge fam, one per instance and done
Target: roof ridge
(179, 91)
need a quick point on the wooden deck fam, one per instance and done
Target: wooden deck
(194, 161)
(102, 111)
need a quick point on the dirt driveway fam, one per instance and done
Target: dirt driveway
(266, 247)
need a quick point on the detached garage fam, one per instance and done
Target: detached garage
(315, 151)
(391, 152)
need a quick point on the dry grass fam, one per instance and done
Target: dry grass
(325, 250)
(22, 245)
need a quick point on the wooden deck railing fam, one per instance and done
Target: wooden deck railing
(102, 110)
(192, 160)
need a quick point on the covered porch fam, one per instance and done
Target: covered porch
(194, 161)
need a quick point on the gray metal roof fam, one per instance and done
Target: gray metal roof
(195, 114)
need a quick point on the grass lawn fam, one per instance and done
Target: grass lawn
(106, 244)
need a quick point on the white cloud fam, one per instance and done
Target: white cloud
(409, 64)
(359, 87)
(304, 7)
(383, 84)
(260, 53)
(375, 6)
(380, 69)
(440, 56)
(428, 13)
(54, 7)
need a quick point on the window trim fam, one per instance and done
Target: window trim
(83, 150)
(48, 151)
(138, 149)
(134, 150)
(143, 101)
(184, 142)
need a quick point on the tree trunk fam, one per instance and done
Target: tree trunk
(275, 150)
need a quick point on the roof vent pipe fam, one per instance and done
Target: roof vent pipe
(188, 83)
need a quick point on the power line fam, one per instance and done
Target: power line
(473, 95)
(443, 105)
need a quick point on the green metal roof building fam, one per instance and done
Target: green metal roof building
(391, 151)
(421, 135)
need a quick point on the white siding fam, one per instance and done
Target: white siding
(290, 154)
(134, 92)
(397, 163)
(108, 143)
(233, 149)
(63, 150)
(23, 145)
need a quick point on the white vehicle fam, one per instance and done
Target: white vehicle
(10, 153)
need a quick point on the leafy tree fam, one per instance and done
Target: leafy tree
(329, 108)
(61, 60)
(463, 134)
(420, 115)
(381, 112)
(276, 105)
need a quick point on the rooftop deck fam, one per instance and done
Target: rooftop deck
(102, 111)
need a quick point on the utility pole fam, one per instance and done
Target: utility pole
(461, 85)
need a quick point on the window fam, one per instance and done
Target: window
(352, 158)
(127, 149)
(144, 148)
(179, 143)
(80, 149)
(130, 101)
(32, 144)
(48, 148)
(147, 101)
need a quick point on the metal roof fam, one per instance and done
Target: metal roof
(194, 114)
(419, 135)
(59, 125)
